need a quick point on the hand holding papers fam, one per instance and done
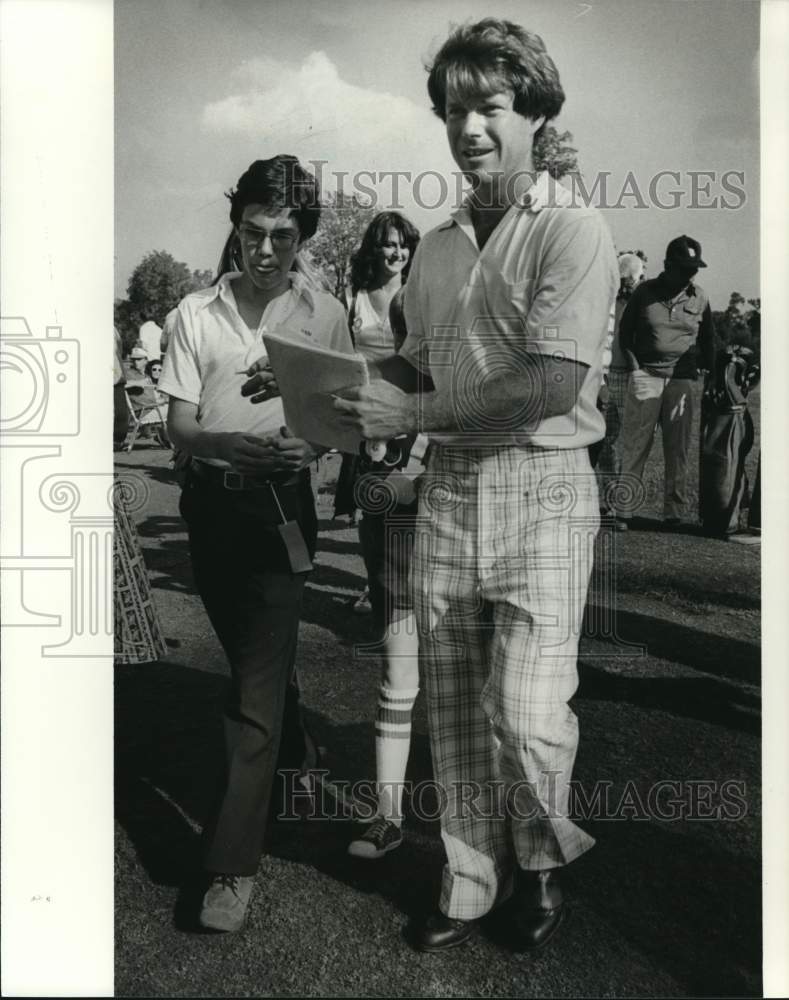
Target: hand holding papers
(261, 383)
(379, 411)
(307, 377)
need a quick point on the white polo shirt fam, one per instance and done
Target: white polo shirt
(544, 283)
(210, 344)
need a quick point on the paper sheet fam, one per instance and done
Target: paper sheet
(307, 376)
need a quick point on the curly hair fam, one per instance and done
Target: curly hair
(150, 365)
(280, 182)
(364, 261)
(494, 54)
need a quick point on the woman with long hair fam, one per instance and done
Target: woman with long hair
(374, 481)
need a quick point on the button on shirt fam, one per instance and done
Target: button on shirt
(669, 337)
(210, 344)
(544, 283)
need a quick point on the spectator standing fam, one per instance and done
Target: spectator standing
(607, 455)
(378, 272)
(667, 336)
(150, 336)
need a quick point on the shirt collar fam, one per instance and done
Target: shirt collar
(221, 289)
(689, 289)
(545, 192)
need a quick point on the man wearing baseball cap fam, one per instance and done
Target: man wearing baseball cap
(667, 335)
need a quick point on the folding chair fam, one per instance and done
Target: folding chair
(139, 410)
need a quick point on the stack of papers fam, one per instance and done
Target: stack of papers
(308, 376)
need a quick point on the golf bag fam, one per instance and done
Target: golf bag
(726, 437)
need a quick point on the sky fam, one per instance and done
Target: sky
(662, 100)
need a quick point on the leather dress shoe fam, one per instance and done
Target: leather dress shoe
(440, 932)
(538, 909)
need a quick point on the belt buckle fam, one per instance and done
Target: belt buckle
(233, 480)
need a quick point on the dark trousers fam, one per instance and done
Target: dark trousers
(254, 602)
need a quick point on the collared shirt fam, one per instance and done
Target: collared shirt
(670, 337)
(211, 344)
(544, 283)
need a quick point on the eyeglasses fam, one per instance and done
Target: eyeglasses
(280, 239)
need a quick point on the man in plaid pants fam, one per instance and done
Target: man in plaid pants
(507, 307)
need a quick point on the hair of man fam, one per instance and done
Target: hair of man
(278, 183)
(493, 55)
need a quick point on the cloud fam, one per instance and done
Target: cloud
(310, 111)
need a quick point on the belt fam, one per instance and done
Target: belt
(236, 481)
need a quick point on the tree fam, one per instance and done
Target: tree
(344, 219)
(740, 322)
(157, 285)
(552, 152)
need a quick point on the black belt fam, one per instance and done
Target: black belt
(235, 481)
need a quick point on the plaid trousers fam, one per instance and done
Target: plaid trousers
(503, 555)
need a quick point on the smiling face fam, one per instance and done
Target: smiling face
(269, 240)
(392, 256)
(488, 139)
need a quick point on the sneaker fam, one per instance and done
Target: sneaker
(362, 605)
(225, 904)
(382, 837)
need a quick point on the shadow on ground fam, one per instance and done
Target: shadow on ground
(686, 902)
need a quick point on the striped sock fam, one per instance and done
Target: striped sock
(392, 744)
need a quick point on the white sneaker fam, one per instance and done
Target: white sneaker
(225, 904)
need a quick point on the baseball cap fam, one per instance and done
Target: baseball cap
(685, 251)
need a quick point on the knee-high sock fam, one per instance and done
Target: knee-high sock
(392, 744)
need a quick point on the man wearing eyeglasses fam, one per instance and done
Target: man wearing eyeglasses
(248, 503)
